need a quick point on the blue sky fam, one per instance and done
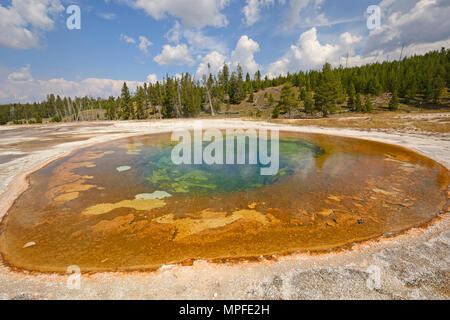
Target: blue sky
(143, 40)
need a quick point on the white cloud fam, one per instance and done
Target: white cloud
(144, 43)
(305, 11)
(309, 53)
(411, 22)
(21, 75)
(21, 87)
(193, 13)
(244, 54)
(22, 23)
(175, 56)
(348, 39)
(127, 39)
(216, 62)
(252, 10)
(152, 78)
(36, 12)
(198, 42)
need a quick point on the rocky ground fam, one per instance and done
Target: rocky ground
(413, 265)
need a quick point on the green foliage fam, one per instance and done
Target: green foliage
(368, 105)
(393, 104)
(302, 94)
(412, 78)
(125, 108)
(251, 98)
(358, 103)
(288, 99)
(309, 102)
(328, 91)
(276, 113)
(56, 118)
(438, 87)
(352, 97)
(271, 100)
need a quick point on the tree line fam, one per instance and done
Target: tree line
(324, 91)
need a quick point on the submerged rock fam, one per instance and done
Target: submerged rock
(29, 244)
(152, 196)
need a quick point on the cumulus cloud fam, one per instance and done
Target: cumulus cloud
(200, 42)
(21, 87)
(215, 60)
(193, 13)
(348, 39)
(244, 54)
(409, 23)
(309, 53)
(175, 56)
(152, 78)
(23, 22)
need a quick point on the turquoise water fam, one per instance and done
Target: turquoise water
(158, 169)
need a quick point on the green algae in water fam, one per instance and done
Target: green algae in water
(159, 170)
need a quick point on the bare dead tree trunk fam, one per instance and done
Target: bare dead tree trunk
(179, 102)
(81, 111)
(101, 112)
(205, 83)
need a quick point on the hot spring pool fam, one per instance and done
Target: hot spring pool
(124, 205)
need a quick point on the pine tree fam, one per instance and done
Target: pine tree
(241, 85)
(257, 80)
(328, 91)
(368, 105)
(288, 100)
(140, 103)
(234, 90)
(275, 113)
(393, 104)
(302, 94)
(358, 103)
(438, 87)
(351, 97)
(309, 102)
(125, 102)
(251, 98)
(271, 100)
(411, 92)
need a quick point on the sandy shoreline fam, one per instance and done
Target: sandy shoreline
(412, 265)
